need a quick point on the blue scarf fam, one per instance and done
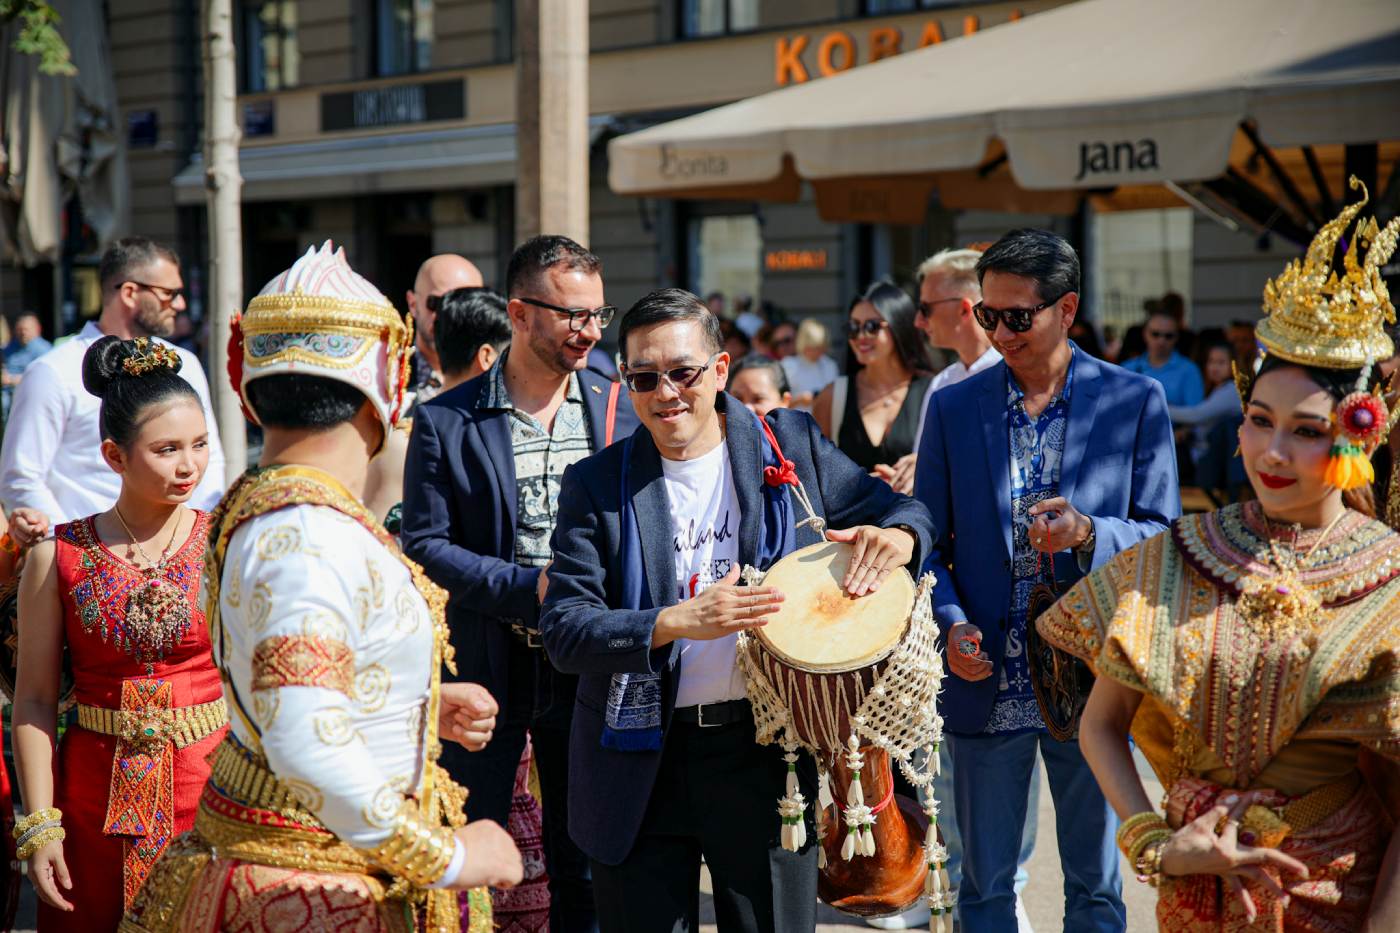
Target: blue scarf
(633, 719)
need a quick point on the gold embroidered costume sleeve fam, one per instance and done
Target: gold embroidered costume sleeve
(1101, 616)
(303, 661)
(416, 849)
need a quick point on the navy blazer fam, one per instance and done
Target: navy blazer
(586, 633)
(459, 517)
(1119, 468)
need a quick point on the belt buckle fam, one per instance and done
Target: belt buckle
(146, 730)
(700, 717)
(533, 639)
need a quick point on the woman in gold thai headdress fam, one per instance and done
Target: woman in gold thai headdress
(1254, 652)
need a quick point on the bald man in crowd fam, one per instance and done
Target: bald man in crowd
(437, 276)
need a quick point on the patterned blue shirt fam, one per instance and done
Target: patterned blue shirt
(1037, 449)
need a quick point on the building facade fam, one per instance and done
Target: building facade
(386, 125)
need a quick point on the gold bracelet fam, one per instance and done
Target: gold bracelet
(1149, 864)
(40, 839)
(414, 850)
(1135, 829)
(26, 823)
(1148, 838)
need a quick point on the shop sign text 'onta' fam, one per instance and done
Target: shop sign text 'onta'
(798, 58)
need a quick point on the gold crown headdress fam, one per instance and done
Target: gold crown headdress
(1314, 317)
(149, 355)
(321, 318)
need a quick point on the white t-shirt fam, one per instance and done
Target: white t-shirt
(705, 522)
(805, 376)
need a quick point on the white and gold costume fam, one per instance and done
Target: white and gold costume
(325, 807)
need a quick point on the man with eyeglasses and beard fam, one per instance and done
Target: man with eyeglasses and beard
(643, 604)
(1035, 470)
(481, 487)
(52, 459)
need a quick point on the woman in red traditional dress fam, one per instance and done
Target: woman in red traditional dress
(119, 589)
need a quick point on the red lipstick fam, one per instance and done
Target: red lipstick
(1276, 482)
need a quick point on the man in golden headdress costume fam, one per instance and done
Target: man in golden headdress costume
(325, 808)
(1254, 652)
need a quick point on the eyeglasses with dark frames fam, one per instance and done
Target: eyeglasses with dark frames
(578, 317)
(681, 377)
(870, 327)
(926, 307)
(1018, 320)
(1169, 335)
(165, 295)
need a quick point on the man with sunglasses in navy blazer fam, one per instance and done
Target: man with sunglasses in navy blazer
(1035, 470)
(643, 604)
(481, 488)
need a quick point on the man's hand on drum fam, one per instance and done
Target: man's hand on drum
(965, 655)
(875, 554)
(721, 609)
(467, 715)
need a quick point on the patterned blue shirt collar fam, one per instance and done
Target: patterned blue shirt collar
(496, 395)
(1015, 394)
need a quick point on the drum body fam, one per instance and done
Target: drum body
(824, 651)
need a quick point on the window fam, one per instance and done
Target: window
(717, 17)
(882, 7)
(268, 56)
(724, 253)
(403, 36)
(1137, 256)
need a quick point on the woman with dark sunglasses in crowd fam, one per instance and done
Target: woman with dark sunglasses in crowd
(872, 413)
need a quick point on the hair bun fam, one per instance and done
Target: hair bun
(111, 359)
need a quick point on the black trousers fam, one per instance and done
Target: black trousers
(716, 797)
(541, 700)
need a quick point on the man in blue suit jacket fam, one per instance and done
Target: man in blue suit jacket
(1035, 470)
(643, 605)
(481, 484)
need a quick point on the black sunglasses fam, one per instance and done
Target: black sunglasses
(682, 377)
(1018, 320)
(171, 295)
(578, 317)
(926, 307)
(870, 327)
(1162, 334)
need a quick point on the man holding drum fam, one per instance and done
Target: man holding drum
(1035, 470)
(644, 604)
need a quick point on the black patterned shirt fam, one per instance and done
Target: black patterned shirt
(541, 457)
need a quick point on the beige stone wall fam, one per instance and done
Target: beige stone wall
(148, 65)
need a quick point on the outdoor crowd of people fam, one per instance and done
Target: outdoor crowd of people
(460, 650)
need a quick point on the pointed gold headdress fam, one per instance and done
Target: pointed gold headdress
(1318, 318)
(1315, 317)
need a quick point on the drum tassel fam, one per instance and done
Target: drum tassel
(860, 820)
(793, 806)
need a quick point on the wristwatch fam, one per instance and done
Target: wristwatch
(1087, 545)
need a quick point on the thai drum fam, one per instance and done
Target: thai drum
(854, 682)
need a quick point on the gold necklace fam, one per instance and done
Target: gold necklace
(164, 555)
(157, 612)
(1281, 600)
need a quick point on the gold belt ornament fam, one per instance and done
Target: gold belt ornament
(151, 728)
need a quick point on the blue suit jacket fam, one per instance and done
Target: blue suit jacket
(459, 517)
(1119, 469)
(586, 633)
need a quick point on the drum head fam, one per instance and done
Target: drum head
(819, 627)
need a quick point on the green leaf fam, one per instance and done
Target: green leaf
(38, 35)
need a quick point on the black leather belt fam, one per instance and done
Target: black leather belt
(529, 637)
(707, 715)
